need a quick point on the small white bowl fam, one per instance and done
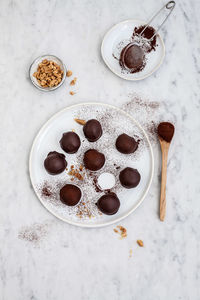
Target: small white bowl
(34, 66)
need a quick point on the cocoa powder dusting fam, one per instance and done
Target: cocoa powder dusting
(34, 233)
(146, 112)
(148, 34)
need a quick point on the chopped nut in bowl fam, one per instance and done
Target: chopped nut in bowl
(47, 72)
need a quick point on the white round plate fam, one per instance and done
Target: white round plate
(114, 122)
(121, 32)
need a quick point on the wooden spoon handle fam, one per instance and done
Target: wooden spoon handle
(165, 149)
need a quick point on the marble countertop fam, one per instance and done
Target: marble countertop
(41, 257)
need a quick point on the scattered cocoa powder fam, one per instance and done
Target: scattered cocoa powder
(146, 113)
(34, 233)
(148, 34)
(46, 190)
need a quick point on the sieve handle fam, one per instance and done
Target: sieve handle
(170, 5)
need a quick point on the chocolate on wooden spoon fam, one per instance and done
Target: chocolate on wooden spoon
(165, 132)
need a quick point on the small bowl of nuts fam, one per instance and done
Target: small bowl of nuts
(47, 72)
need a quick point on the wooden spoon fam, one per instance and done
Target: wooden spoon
(165, 132)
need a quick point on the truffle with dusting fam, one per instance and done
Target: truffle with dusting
(70, 194)
(92, 130)
(70, 142)
(55, 163)
(108, 204)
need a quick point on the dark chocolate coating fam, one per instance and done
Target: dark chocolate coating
(55, 163)
(70, 194)
(70, 142)
(129, 178)
(93, 160)
(108, 204)
(126, 144)
(132, 57)
(92, 130)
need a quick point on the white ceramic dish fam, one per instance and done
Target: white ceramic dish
(34, 66)
(48, 140)
(123, 31)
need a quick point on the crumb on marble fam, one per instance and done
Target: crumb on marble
(69, 73)
(122, 231)
(130, 253)
(140, 243)
(73, 82)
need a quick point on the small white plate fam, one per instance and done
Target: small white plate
(123, 31)
(114, 121)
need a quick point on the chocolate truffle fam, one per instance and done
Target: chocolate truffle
(126, 144)
(70, 142)
(93, 160)
(55, 163)
(108, 204)
(70, 194)
(129, 178)
(132, 57)
(92, 130)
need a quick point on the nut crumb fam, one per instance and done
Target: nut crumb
(69, 73)
(74, 173)
(72, 93)
(79, 121)
(122, 232)
(130, 253)
(140, 243)
(73, 82)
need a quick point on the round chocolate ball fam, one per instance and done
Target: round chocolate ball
(93, 160)
(129, 178)
(70, 142)
(70, 194)
(108, 204)
(92, 130)
(126, 144)
(132, 57)
(55, 163)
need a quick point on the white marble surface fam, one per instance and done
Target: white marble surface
(75, 263)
